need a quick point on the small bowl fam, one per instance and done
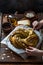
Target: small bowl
(7, 27)
(31, 15)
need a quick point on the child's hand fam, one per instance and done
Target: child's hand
(33, 51)
(37, 25)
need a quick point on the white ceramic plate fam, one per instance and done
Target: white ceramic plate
(19, 51)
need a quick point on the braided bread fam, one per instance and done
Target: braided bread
(23, 38)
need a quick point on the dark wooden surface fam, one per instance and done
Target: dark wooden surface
(21, 64)
(7, 55)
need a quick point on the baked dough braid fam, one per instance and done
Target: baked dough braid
(23, 38)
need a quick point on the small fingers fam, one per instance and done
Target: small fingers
(35, 24)
(29, 53)
(28, 50)
(39, 26)
(31, 47)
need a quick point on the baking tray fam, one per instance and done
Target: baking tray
(21, 52)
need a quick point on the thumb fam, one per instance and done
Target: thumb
(31, 47)
(29, 50)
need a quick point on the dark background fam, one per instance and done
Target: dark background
(10, 6)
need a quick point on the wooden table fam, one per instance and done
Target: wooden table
(7, 55)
